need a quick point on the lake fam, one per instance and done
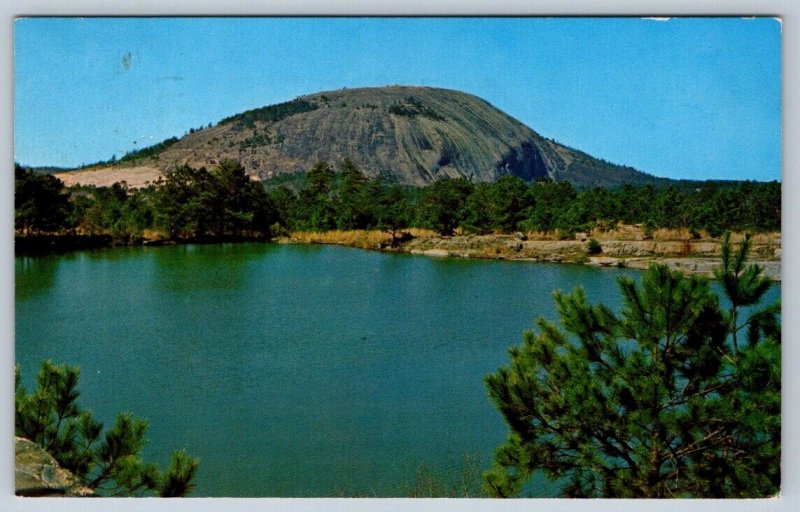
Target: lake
(292, 370)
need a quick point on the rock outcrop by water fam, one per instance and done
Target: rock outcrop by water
(690, 256)
(36, 473)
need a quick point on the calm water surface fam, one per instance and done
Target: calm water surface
(291, 370)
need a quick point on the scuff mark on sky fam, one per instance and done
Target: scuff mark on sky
(126, 61)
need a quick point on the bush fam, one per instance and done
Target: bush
(593, 246)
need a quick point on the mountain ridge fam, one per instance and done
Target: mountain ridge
(406, 134)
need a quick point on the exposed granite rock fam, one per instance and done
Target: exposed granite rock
(36, 473)
(411, 135)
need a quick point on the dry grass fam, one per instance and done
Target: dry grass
(364, 239)
(629, 232)
(498, 246)
(637, 232)
(672, 235)
(354, 238)
(420, 232)
(760, 238)
(542, 235)
(152, 234)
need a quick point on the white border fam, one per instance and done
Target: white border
(786, 10)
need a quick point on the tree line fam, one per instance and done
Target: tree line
(190, 203)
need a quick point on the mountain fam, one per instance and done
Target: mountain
(410, 135)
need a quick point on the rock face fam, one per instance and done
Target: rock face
(410, 135)
(38, 474)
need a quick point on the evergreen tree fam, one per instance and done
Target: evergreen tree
(110, 464)
(477, 217)
(353, 200)
(392, 211)
(745, 286)
(284, 200)
(40, 203)
(315, 210)
(550, 201)
(231, 198)
(653, 401)
(174, 200)
(444, 203)
(117, 210)
(508, 202)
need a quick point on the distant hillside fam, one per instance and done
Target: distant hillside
(410, 135)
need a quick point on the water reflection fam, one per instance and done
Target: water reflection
(34, 275)
(189, 268)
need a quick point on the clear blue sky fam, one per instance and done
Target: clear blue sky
(685, 98)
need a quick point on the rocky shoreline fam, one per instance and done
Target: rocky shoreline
(690, 256)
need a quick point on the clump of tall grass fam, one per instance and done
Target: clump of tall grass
(461, 480)
(361, 238)
(355, 238)
(455, 479)
(542, 235)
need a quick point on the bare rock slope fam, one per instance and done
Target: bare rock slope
(406, 134)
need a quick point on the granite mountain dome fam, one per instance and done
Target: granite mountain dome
(411, 135)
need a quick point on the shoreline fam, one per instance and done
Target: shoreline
(691, 256)
(698, 257)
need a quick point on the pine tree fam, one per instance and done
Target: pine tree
(40, 203)
(110, 464)
(654, 401)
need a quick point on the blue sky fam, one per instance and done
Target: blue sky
(685, 98)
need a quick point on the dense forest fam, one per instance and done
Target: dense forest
(224, 203)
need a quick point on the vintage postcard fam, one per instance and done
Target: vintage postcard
(397, 257)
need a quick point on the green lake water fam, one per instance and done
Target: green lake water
(292, 370)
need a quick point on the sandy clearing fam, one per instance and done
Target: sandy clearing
(135, 177)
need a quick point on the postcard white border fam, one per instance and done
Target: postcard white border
(787, 11)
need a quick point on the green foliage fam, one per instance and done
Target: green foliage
(196, 203)
(392, 211)
(148, 151)
(745, 285)
(177, 201)
(653, 401)
(190, 203)
(412, 107)
(179, 479)
(270, 114)
(551, 201)
(110, 464)
(315, 204)
(353, 198)
(261, 139)
(593, 246)
(116, 210)
(443, 206)
(40, 203)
